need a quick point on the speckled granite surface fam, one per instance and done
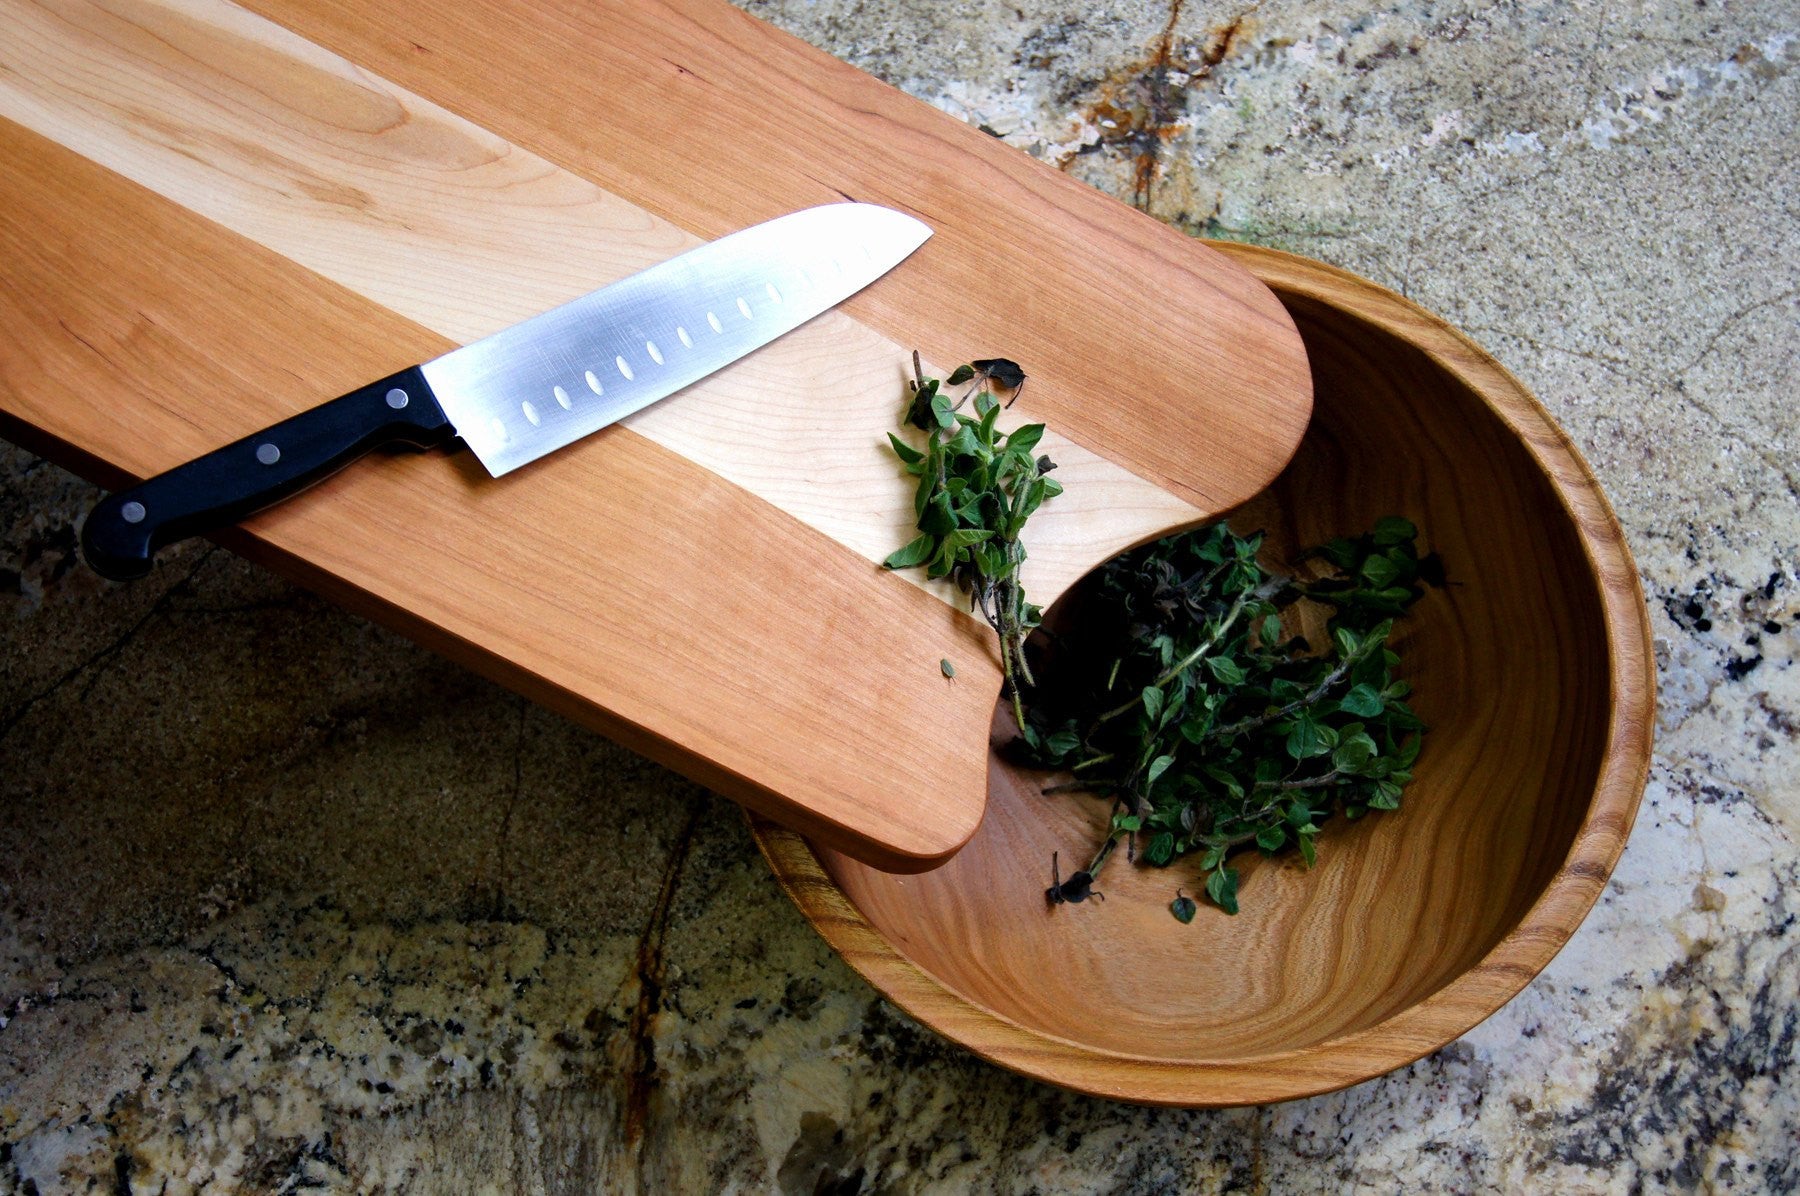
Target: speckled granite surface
(290, 903)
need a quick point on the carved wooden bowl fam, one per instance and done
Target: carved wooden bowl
(1532, 669)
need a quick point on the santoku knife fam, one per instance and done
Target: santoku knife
(537, 386)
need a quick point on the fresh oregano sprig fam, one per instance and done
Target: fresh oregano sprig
(1192, 701)
(977, 487)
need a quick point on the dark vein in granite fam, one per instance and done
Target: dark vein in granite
(100, 660)
(642, 1071)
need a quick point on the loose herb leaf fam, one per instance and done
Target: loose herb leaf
(1183, 907)
(948, 669)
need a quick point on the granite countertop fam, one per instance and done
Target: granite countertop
(290, 902)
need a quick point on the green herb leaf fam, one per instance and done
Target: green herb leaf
(962, 537)
(916, 552)
(939, 518)
(960, 375)
(928, 484)
(1183, 908)
(1394, 530)
(905, 451)
(941, 411)
(1024, 438)
(966, 443)
(1380, 572)
(948, 669)
(988, 407)
(1364, 701)
(1225, 670)
(1353, 755)
(1222, 887)
(1307, 738)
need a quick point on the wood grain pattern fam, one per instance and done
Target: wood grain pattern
(361, 182)
(1533, 671)
(673, 582)
(713, 120)
(98, 306)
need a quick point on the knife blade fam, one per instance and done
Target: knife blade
(535, 387)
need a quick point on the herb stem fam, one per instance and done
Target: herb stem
(1207, 645)
(1334, 677)
(1101, 856)
(1318, 782)
(1176, 669)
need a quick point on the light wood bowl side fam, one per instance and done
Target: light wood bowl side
(1533, 669)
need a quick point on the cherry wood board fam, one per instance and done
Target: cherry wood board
(216, 215)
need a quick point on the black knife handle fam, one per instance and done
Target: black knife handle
(125, 530)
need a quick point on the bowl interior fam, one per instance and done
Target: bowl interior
(1509, 669)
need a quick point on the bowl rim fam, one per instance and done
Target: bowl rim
(1465, 1001)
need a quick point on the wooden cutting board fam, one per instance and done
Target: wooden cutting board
(213, 216)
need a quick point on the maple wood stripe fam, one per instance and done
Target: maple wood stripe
(440, 221)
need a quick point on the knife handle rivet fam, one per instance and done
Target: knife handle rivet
(396, 398)
(268, 454)
(132, 512)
